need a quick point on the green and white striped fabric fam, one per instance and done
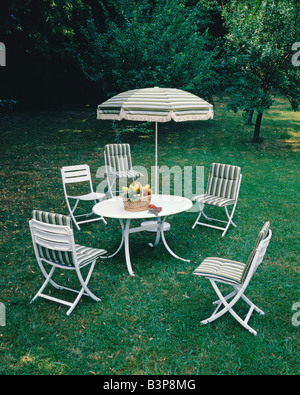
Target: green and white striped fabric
(214, 200)
(221, 269)
(261, 236)
(118, 156)
(84, 255)
(52, 218)
(232, 272)
(223, 180)
(155, 104)
(222, 185)
(118, 160)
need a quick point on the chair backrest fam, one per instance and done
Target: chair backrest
(258, 253)
(75, 174)
(223, 181)
(117, 157)
(53, 238)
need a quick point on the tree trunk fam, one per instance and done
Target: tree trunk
(257, 127)
(248, 117)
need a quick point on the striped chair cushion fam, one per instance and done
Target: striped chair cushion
(223, 181)
(232, 272)
(261, 236)
(124, 174)
(62, 258)
(51, 218)
(213, 200)
(118, 157)
(84, 255)
(221, 269)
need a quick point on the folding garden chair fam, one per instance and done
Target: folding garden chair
(118, 165)
(74, 175)
(54, 245)
(222, 190)
(236, 274)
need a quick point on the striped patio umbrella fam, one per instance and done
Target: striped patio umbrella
(155, 105)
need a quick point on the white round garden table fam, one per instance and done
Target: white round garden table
(114, 208)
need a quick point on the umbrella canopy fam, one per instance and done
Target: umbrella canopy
(155, 105)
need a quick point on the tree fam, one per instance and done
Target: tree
(105, 47)
(149, 43)
(258, 55)
(37, 34)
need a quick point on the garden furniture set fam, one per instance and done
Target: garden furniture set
(54, 245)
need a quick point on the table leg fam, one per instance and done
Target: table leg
(165, 243)
(122, 240)
(125, 240)
(158, 232)
(127, 253)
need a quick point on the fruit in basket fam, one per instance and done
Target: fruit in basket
(130, 193)
(135, 186)
(136, 191)
(135, 198)
(144, 192)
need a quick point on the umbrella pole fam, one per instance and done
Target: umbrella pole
(156, 160)
(156, 225)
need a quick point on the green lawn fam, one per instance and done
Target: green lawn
(150, 323)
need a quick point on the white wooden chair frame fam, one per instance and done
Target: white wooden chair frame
(74, 175)
(59, 238)
(238, 292)
(125, 170)
(229, 215)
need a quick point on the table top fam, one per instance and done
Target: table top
(114, 208)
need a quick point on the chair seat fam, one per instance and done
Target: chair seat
(86, 255)
(89, 196)
(224, 270)
(124, 174)
(213, 200)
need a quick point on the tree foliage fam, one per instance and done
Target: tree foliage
(108, 46)
(258, 50)
(40, 69)
(73, 51)
(149, 43)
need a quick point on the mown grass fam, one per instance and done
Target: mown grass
(150, 323)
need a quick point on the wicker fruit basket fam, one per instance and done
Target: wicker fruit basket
(136, 197)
